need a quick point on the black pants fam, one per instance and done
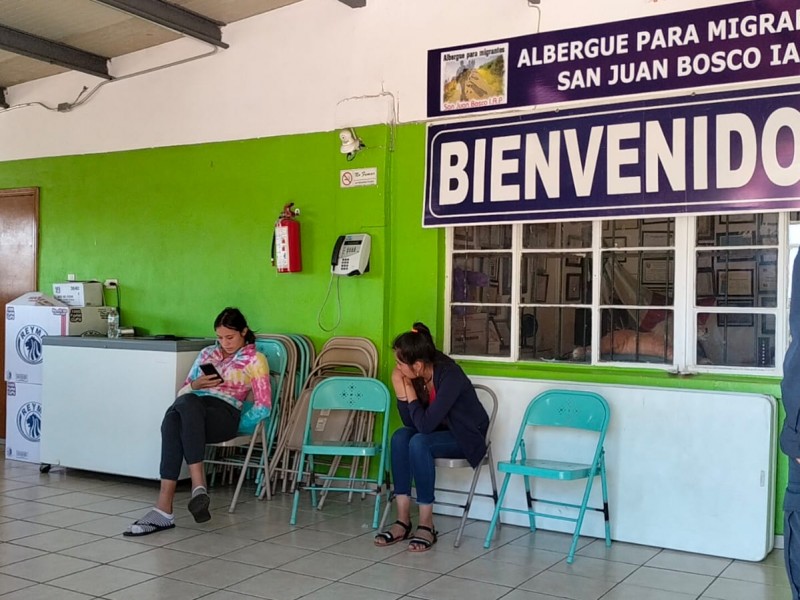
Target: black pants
(189, 424)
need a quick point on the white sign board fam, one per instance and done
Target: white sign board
(664, 489)
(350, 178)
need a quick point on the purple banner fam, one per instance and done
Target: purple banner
(732, 43)
(725, 152)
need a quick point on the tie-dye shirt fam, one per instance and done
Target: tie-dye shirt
(247, 369)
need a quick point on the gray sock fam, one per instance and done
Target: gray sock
(200, 489)
(152, 521)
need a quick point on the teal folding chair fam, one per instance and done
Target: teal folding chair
(278, 359)
(569, 410)
(344, 394)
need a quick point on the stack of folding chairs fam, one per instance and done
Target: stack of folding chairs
(339, 356)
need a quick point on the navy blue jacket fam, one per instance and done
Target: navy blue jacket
(457, 403)
(790, 386)
(790, 394)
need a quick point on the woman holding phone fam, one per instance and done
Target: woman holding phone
(206, 411)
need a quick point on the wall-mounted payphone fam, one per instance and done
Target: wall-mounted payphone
(351, 254)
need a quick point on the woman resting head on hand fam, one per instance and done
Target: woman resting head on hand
(442, 418)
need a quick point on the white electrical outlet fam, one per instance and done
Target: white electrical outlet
(110, 283)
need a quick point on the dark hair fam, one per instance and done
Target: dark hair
(414, 345)
(232, 318)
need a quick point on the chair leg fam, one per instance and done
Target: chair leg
(605, 500)
(296, 500)
(496, 512)
(476, 473)
(265, 466)
(377, 513)
(295, 474)
(581, 513)
(529, 502)
(335, 462)
(312, 484)
(213, 468)
(386, 511)
(245, 465)
(494, 481)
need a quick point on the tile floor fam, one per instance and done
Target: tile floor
(60, 539)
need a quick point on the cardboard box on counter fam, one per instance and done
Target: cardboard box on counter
(79, 293)
(34, 315)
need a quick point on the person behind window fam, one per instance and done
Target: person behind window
(790, 438)
(442, 418)
(206, 411)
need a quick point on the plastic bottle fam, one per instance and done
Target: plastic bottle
(113, 323)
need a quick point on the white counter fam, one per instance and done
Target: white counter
(103, 400)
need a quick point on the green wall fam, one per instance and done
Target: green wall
(187, 231)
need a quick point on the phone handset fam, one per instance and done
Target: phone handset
(351, 254)
(336, 249)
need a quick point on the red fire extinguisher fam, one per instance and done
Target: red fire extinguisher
(286, 241)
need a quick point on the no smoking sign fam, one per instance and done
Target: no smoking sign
(350, 178)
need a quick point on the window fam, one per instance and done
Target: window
(698, 293)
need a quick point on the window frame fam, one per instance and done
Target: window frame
(685, 309)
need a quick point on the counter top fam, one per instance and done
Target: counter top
(177, 344)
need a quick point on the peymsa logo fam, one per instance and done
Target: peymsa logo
(29, 421)
(29, 344)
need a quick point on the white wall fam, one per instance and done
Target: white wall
(302, 68)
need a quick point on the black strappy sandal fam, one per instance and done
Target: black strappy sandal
(389, 539)
(420, 541)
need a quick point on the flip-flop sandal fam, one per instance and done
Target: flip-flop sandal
(420, 541)
(389, 539)
(198, 506)
(146, 529)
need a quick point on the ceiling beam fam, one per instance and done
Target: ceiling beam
(52, 52)
(354, 3)
(172, 17)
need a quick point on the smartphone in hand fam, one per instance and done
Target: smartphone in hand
(209, 369)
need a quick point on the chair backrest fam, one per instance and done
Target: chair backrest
(275, 352)
(354, 342)
(489, 401)
(350, 393)
(277, 358)
(568, 408)
(339, 355)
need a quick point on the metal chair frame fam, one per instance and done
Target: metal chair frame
(567, 409)
(462, 463)
(353, 394)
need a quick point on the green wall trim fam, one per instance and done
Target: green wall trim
(626, 376)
